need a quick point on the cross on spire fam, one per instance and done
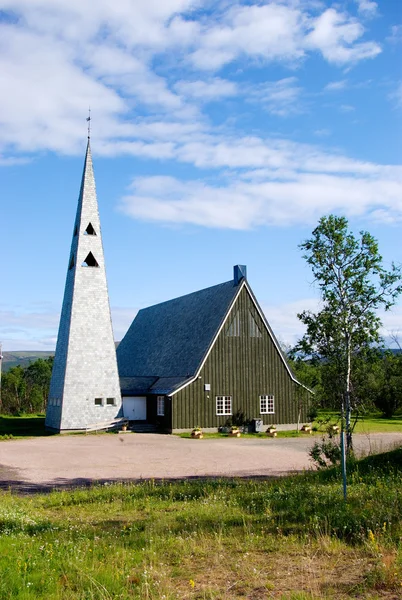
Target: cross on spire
(89, 123)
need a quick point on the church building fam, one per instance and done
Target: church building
(197, 360)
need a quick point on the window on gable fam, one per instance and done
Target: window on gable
(267, 405)
(254, 330)
(224, 405)
(90, 261)
(90, 230)
(160, 406)
(234, 328)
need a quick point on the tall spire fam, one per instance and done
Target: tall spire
(85, 387)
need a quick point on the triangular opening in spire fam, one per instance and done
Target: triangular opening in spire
(72, 263)
(254, 330)
(90, 261)
(234, 327)
(90, 230)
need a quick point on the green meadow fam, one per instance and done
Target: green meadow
(291, 538)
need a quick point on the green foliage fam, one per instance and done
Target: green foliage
(22, 426)
(207, 538)
(25, 389)
(325, 453)
(353, 285)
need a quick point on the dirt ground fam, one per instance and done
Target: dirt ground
(44, 463)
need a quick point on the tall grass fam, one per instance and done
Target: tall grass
(291, 538)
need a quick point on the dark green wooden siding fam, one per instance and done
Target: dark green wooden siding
(245, 368)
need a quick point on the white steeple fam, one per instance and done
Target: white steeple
(85, 388)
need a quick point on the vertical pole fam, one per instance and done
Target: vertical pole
(343, 455)
(1, 362)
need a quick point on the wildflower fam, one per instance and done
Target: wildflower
(192, 582)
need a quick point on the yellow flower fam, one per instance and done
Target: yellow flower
(192, 582)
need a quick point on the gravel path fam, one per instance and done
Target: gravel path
(64, 461)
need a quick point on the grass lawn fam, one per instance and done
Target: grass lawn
(291, 538)
(374, 423)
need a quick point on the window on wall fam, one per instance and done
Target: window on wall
(254, 330)
(160, 406)
(98, 401)
(111, 401)
(234, 328)
(267, 405)
(224, 405)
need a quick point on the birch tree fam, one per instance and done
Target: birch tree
(353, 286)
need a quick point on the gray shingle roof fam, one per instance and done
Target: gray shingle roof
(170, 340)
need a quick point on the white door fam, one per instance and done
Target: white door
(135, 408)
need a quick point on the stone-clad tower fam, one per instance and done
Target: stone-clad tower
(85, 388)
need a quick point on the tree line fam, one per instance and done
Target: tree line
(25, 389)
(376, 382)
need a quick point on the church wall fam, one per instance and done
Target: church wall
(243, 366)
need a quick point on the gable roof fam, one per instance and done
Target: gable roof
(170, 340)
(168, 343)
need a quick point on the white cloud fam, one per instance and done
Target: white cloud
(396, 34)
(280, 97)
(288, 329)
(296, 185)
(212, 89)
(367, 8)
(335, 86)
(396, 95)
(335, 35)
(21, 330)
(134, 57)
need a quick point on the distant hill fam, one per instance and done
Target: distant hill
(23, 358)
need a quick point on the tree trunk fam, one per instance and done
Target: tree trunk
(348, 411)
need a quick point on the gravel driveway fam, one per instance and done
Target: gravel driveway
(64, 461)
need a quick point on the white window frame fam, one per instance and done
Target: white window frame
(160, 406)
(223, 405)
(267, 404)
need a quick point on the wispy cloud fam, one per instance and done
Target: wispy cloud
(335, 86)
(281, 184)
(206, 91)
(67, 55)
(281, 98)
(367, 8)
(396, 95)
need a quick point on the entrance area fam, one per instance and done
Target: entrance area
(135, 408)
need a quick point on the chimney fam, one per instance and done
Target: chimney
(239, 273)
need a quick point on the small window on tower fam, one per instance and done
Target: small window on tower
(72, 262)
(90, 261)
(90, 230)
(98, 401)
(111, 401)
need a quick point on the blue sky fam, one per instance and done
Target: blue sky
(221, 132)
